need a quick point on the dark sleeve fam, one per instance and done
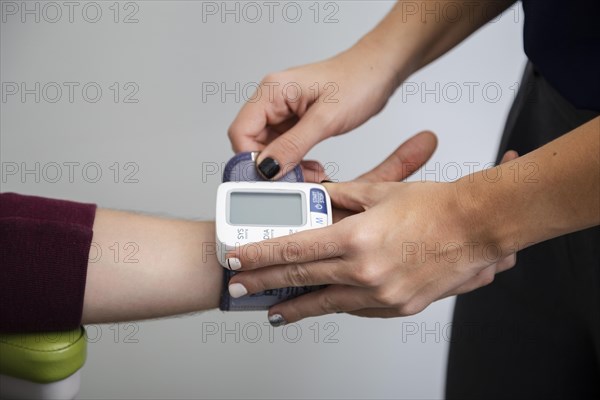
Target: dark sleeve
(44, 248)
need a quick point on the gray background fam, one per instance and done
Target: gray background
(168, 143)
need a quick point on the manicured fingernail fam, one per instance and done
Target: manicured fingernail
(234, 263)
(269, 167)
(326, 181)
(237, 290)
(277, 320)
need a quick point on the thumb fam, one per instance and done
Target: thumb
(405, 160)
(353, 196)
(286, 151)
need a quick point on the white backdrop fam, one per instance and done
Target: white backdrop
(113, 103)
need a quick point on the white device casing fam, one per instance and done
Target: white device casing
(316, 211)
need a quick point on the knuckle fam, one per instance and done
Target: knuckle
(233, 133)
(487, 278)
(411, 307)
(328, 305)
(258, 282)
(367, 275)
(271, 77)
(506, 263)
(511, 261)
(297, 275)
(291, 253)
(291, 143)
(386, 297)
(360, 238)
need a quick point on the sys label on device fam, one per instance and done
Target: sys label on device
(249, 212)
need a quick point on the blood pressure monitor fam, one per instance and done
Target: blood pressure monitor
(254, 211)
(250, 209)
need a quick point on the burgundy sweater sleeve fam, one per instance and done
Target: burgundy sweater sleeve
(44, 248)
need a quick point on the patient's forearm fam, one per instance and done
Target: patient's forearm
(413, 34)
(147, 267)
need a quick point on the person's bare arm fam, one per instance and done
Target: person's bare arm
(413, 34)
(148, 267)
(339, 94)
(549, 192)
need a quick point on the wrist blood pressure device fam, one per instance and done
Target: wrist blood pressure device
(251, 209)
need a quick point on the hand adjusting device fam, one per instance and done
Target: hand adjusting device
(251, 209)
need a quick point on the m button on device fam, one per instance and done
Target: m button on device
(318, 219)
(318, 208)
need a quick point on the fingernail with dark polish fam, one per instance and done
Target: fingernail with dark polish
(277, 320)
(326, 181)
(269, 167)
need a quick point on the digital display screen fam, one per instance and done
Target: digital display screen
(269, 209)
